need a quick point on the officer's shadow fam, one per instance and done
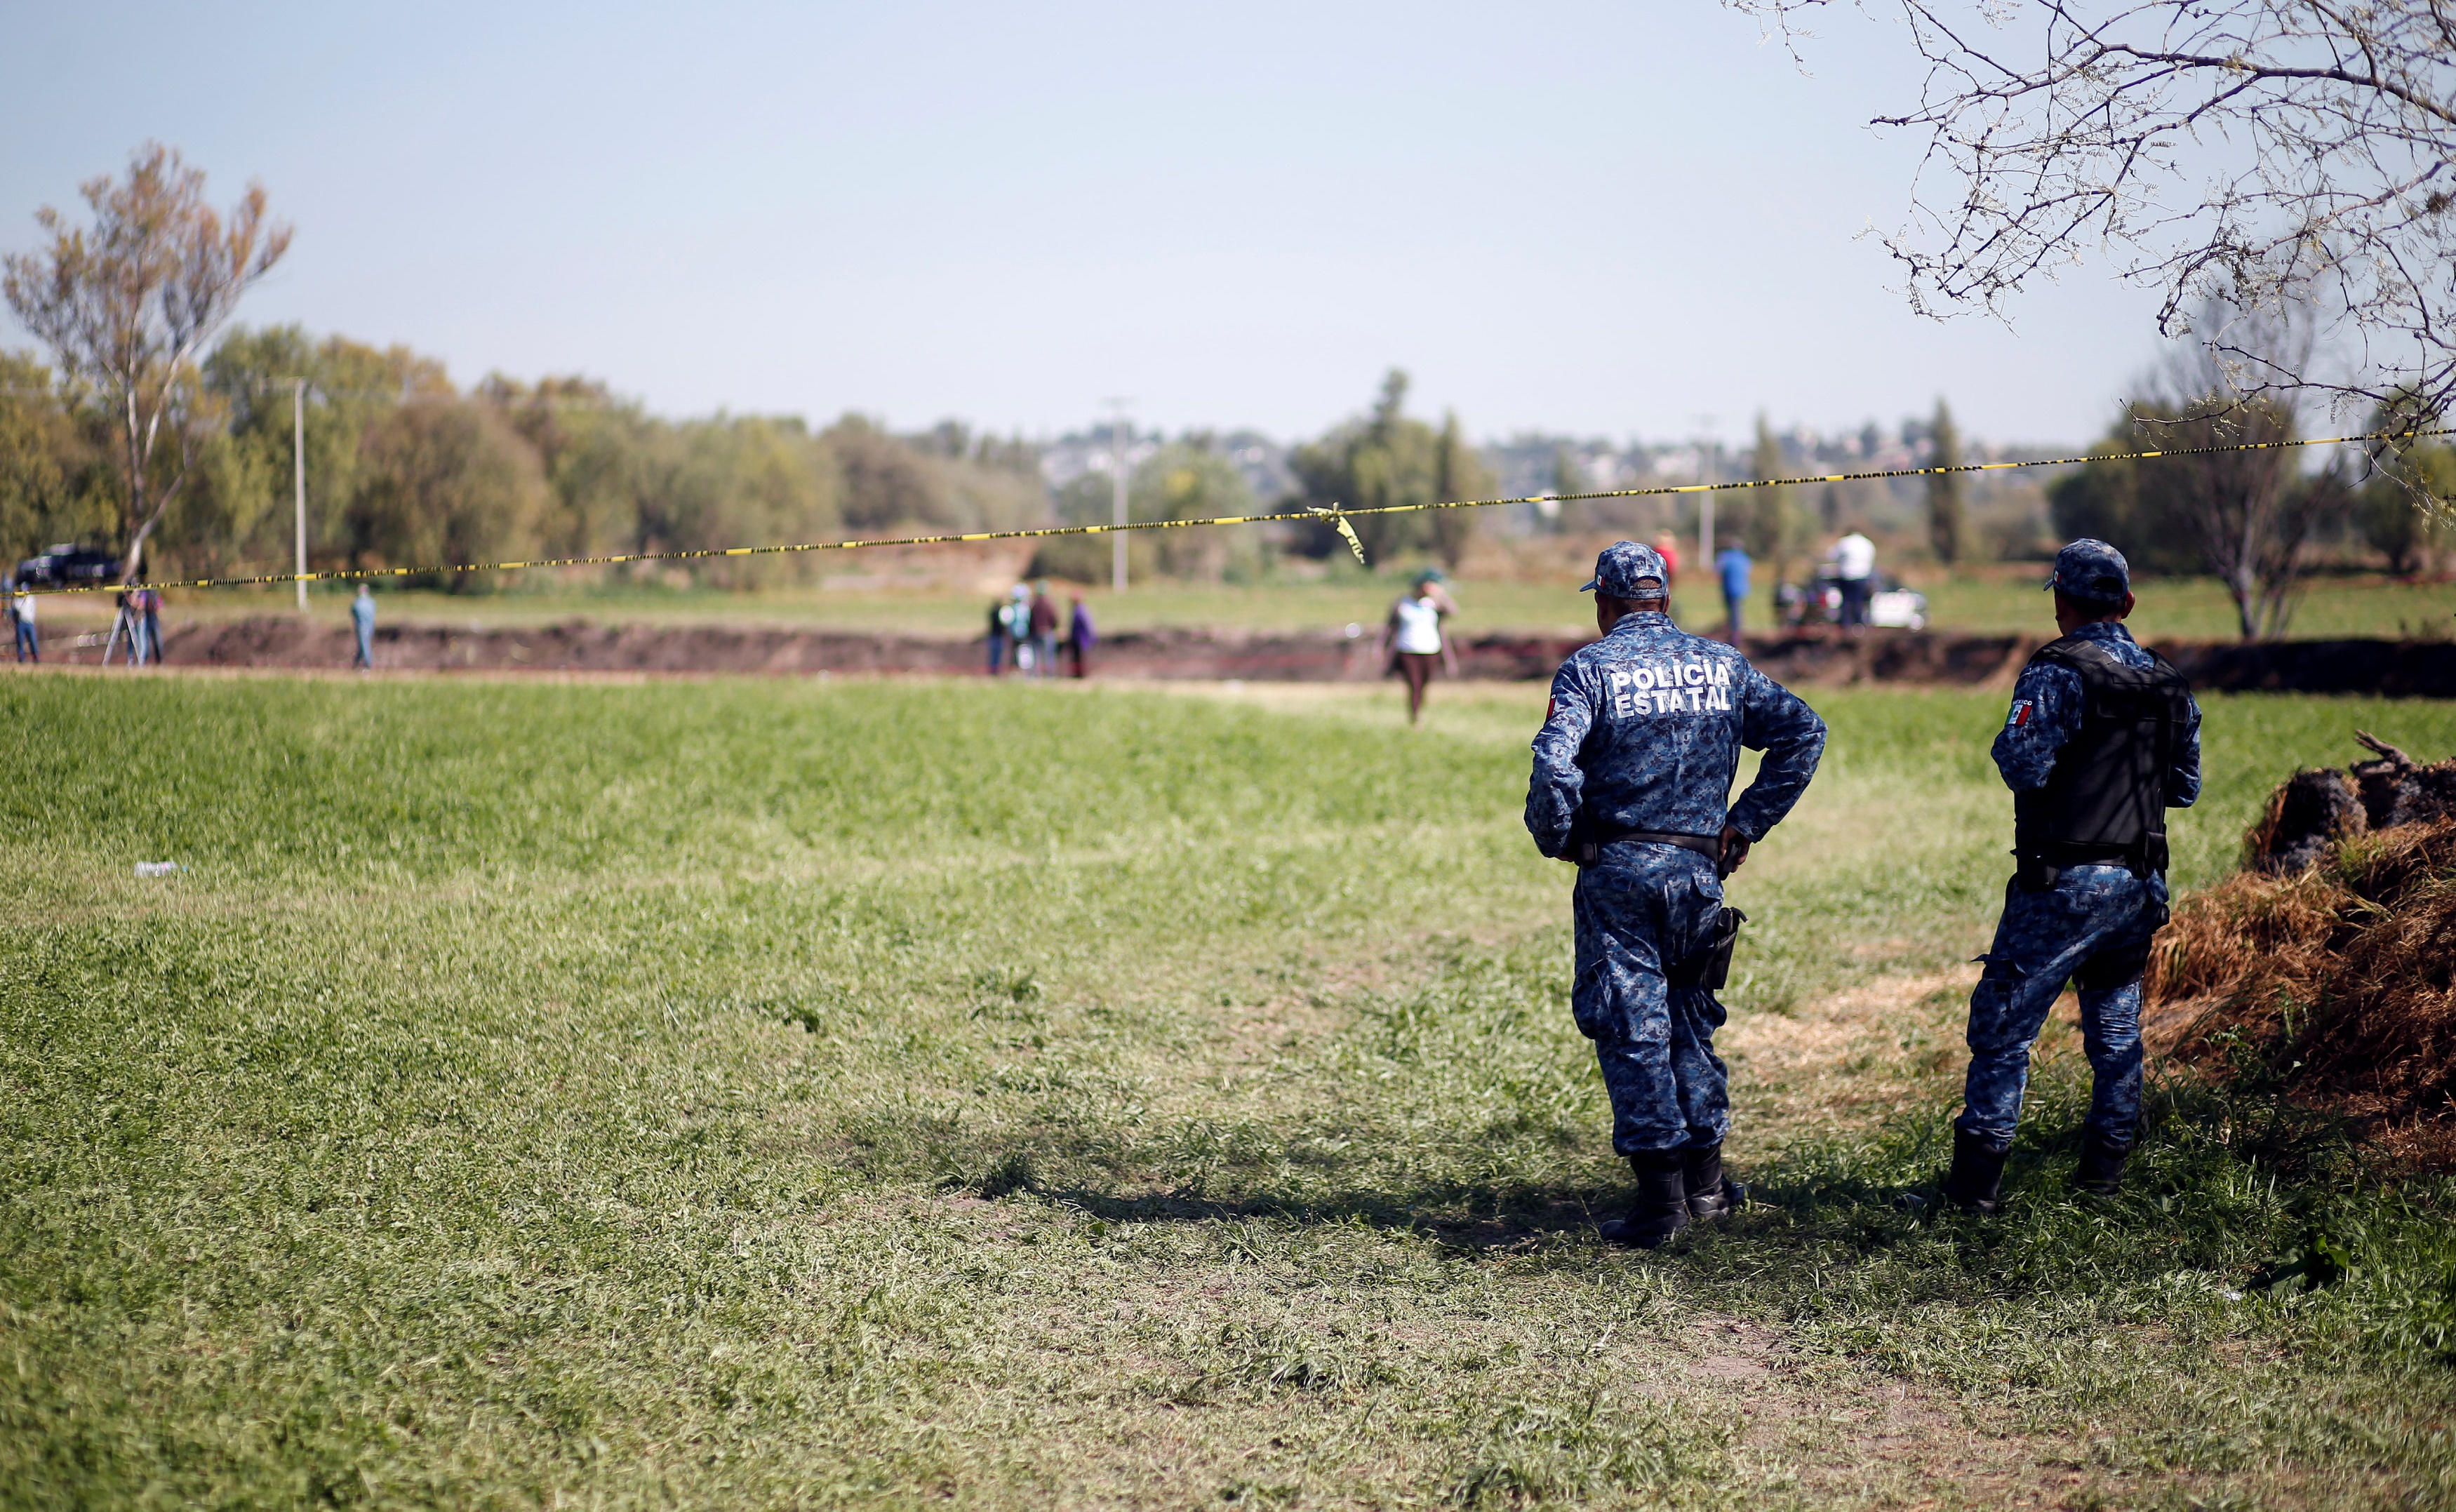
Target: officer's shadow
(1468, 1213)
(1813, 1194)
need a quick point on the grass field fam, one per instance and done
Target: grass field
(1989, 601)
(757, 1093)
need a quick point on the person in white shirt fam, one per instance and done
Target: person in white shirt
(21, 608)
(1413, 637)
(1855, 565)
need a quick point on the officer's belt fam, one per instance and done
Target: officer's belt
(2038, 867)
(1710, 846)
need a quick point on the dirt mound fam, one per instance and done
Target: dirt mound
(2324, 968)
(2318, 807)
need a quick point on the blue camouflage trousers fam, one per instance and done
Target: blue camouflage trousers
(2093, 925)
(1643, 907)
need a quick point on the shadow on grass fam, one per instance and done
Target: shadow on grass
(2225, 1185)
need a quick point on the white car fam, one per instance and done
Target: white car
(1899, 608)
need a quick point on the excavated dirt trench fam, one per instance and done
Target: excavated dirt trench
(2398, 668)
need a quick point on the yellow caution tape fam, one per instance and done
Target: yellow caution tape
(1337, 515)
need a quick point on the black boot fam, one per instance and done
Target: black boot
(2101, 1172)
(1710, 1192)
(1978, 1175)
(1662, 1206)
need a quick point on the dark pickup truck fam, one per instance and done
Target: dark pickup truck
(67, 566)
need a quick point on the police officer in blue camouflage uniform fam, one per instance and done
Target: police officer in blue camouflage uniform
(2102, 738)
(1633, 767)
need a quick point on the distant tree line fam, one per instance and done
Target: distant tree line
(404, 469)
(153, 434)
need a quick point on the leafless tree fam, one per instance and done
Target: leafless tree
(2250, 512)
(127, 306)
(2270, 154)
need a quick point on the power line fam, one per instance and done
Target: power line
(1333, 515)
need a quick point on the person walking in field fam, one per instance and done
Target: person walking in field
(2103, 737)
(1854, 568)
(1080, 635)
(363, 617)
(1412, 637)
(1731, 566)
(1633, 768)
(21, 609)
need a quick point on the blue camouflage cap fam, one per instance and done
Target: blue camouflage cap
(2092, 572)
(1624, 565)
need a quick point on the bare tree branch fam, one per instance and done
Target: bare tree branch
(2272, 156)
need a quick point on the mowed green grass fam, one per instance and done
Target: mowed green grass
(746, 1093)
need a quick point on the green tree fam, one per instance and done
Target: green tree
(1380, 460)
(611, 466)
(53, 487)
(242, 511)
(751, 481)
(1189, 480)
(1459, 472)
(2105, 500)
(887, 482)
(1767, 522)
(2404, 507)
(1946, 505)
(446, 482)
(127, 306)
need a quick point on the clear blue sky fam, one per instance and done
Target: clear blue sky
(1600, 218)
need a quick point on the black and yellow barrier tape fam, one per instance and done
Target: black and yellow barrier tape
(1335, 515)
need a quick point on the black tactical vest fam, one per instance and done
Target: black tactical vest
(2105, 800)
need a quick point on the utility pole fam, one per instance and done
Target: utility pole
(299, 476)
(1705, 500)
(1117, 466)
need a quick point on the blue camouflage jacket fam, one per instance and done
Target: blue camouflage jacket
(1644, 733)
(2046, 714)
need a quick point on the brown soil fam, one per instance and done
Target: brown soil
(2326, 964)
(1822, 659)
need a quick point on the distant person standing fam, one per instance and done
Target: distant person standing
(1080, 635)
(1042, 620)
(1018, 627)
(149, 601)
(1632, 782)
(362, 615)
(2102, 738)
(1855, 565)
(1666, 546)
(1731, 565)
(997, 636)
(21, 608)
(1413, 637)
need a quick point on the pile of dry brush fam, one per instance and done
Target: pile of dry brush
(2325, 964)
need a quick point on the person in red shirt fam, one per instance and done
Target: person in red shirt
(1042, 624)
(1668, 548)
